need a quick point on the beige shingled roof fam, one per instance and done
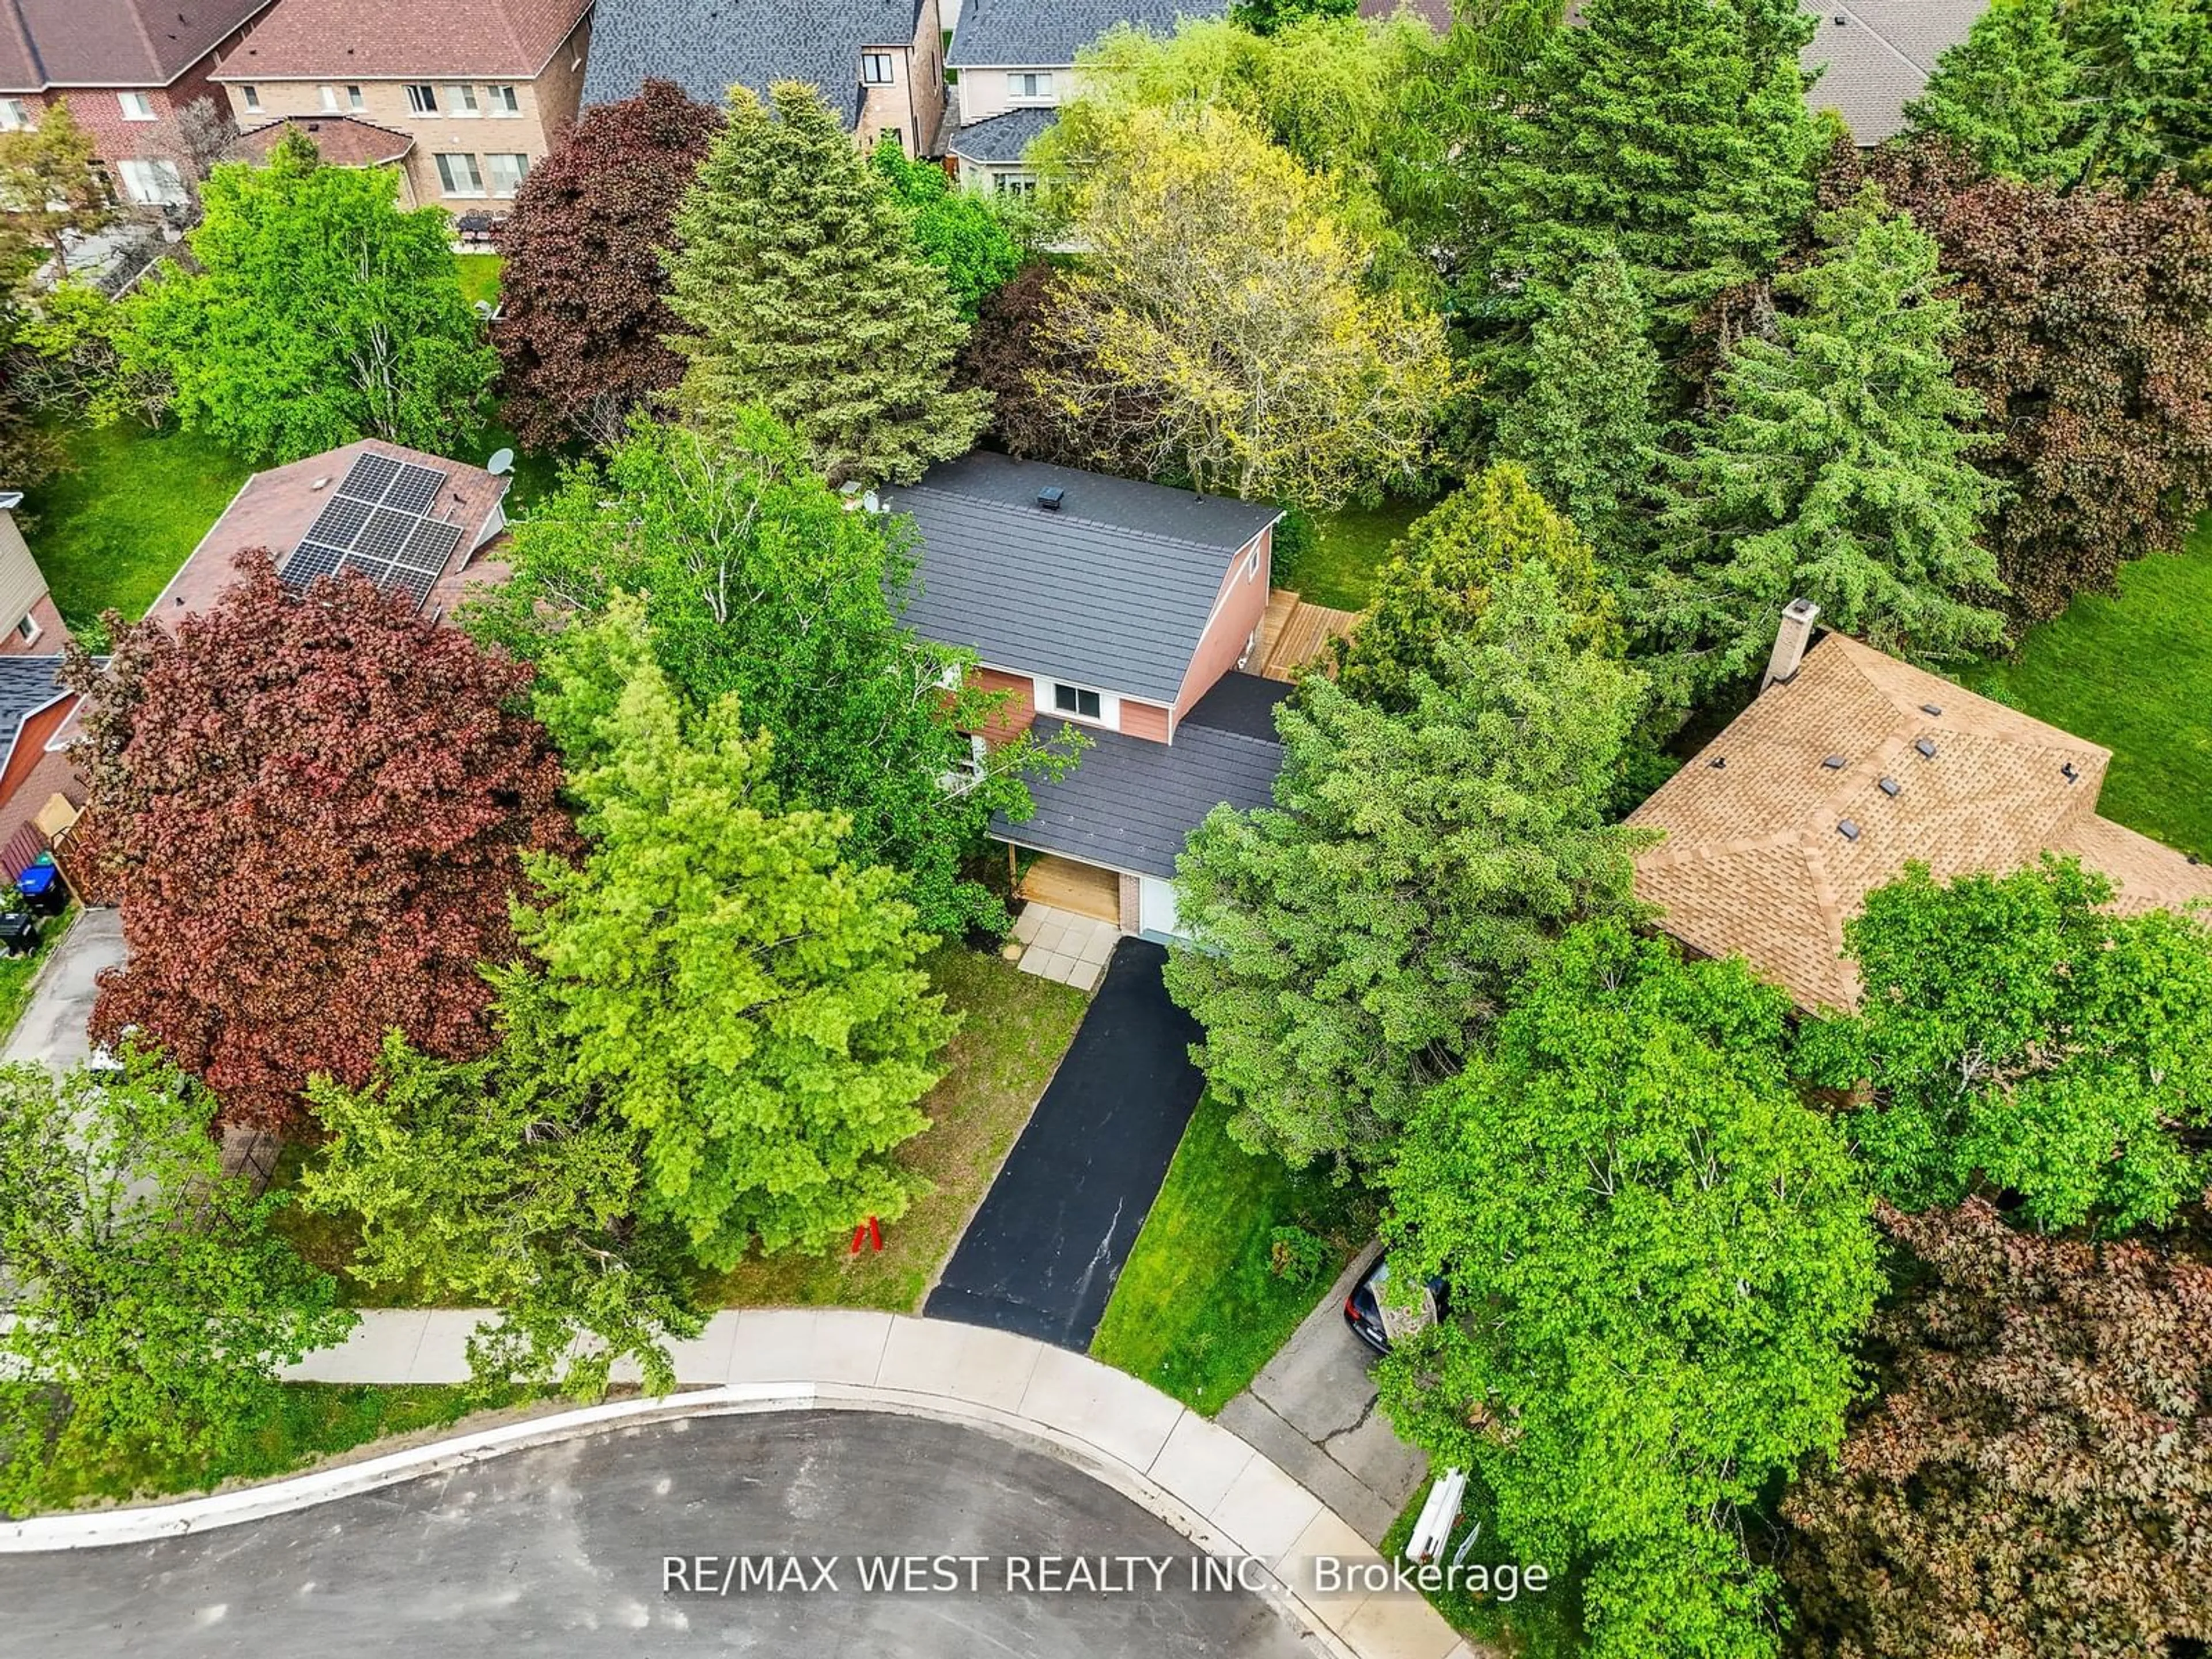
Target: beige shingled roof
(1754, 864)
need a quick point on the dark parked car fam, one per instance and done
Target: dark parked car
(1375, 1325)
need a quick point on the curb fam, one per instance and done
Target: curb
(1212, 1487)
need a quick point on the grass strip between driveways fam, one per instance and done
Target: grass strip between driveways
(1198, 1309)
(16, 973)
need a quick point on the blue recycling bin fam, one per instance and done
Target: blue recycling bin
(42, 888)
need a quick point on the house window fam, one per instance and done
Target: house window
(1252, 562)
(250, 97)
(875, 68)
(462, 100)
(136, 106)
(153, 184)
(422, 101)
(26, 629)
(1014, 184)
(1075, 700)
(354, 99)
(329, 98)
(1029, 83)
(503, 100)
(459, 175)
(15, 115)
(507, 173)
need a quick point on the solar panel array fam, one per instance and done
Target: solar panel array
(375, 526)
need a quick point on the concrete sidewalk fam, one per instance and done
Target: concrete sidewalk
(1198, 1476)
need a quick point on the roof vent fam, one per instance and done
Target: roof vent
(1050, 497)
(1834, 763)
(2070, 772)
(1890, 787)
(1931, 707)
(1718, 762)
(1927, 748)
(320, 483)
(1847, 830)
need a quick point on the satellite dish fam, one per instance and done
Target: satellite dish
(502, 461)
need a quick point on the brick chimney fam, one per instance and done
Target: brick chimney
(1790, 642)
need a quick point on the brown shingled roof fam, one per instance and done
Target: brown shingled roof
(343, 141)
(1754, 864)
(382, 39)
(273, 510)
(110, 43)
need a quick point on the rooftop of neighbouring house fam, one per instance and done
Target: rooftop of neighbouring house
(372, 507)
(110, 43)
(706, 47)
(27, 685)
(1875, 56)
(1130, 804)
(344, 38)
(1833, 781)
(1022, 33)
(1437, 14)
(1111, 589)
(343, 141)
(1003, 138)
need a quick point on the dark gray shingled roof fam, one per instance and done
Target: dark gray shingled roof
(27, 685)
(1112, 590)
(1130, 805)
(1877, 54)
(1001, 138)
(706, 47)
(1045, 33)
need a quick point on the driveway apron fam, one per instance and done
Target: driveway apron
(1043, 1250)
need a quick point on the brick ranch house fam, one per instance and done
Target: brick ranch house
(1126, 609)
(1848, 765)
(482, 92)
(125, 68)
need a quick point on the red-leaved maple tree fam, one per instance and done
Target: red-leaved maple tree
(312, 810)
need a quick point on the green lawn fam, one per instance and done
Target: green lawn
(2133, 672)
(1339, 571)
(480, 276)
(1198, 1310)
(1018, 1026)
(1531, 1624)
(112, 532)
(317, 1420)
(16, 973)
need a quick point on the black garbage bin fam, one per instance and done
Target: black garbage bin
(18, 933)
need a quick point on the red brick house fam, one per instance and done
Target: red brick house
(125, 68)
(1126, 609)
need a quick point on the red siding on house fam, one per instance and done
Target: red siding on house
(1146, 720)
(1238, 608)
(1020, 713)
(32, 774)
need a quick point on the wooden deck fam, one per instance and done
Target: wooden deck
(1067, 885)
(1293, 634)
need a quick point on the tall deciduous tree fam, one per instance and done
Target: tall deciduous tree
(1658, 1259)
(1586, 429)
(1224, 301)
(758, 581)
(1839, 467)
(1349, 944)
(501, 1183)
(1266, 16)
(2015, 1037)
(801, 289)
(2084, 317)
(50, 184)
(730, 984)
(1012, 355)
(314, 809)
(147, 1305)
(2035, 1482)
(2005, 94)
(963, 232)
(582, 319)
(320, 312)
(1674, 130)
(1437, 582)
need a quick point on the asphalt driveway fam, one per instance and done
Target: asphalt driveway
(561, 1552)
(51, 1031)
(1043, 1250)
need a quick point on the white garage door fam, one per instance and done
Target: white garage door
(1156, 907)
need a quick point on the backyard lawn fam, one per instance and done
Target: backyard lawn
(112, 532)
(2133, 672)
(1339, 570)
(480, 277)
(1198, 1309)
(1018, 1027)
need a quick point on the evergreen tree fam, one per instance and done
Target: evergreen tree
(1584, 429)
(1674, 130)
(1838, 468)
(803, 291)
(2005, 94)
(2143, 71)
(729, 985)
(1350, 944)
